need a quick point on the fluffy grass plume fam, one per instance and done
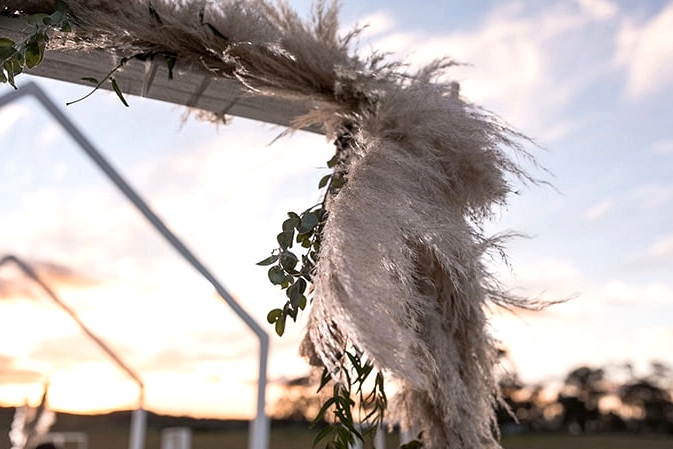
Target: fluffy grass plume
(401, 273)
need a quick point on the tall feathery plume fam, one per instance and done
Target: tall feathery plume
(30, 425)
(400, 273)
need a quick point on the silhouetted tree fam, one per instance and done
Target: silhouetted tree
(651, 398)
(298, 401)
(584, 386)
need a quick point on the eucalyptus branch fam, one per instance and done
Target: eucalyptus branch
(98, 84)
(17, 57)
(352, 412)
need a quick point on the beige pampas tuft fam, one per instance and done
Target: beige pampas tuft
(400, 273)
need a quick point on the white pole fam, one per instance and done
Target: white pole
(138, 426)
(380, 437)
(259, 430)
(408, 435)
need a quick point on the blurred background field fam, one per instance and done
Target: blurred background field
(111, 431)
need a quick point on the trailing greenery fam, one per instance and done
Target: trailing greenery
(349, 395)
(15, 57)
(352, 411)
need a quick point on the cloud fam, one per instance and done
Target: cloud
(11, 373)
(525, 66)
(14, 283)
(662, 248)
(543, 274)
(620, 292)
(652, 196)
(21, 376)
(374, 24)
(600, 209)
(599, 9)
(65, 352)
(644, 51)
(662, 147)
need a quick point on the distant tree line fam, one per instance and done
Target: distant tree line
(592, 400)
(588, 400)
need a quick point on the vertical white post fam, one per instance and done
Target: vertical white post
(176, 438)
(409, 434)
(380, 437)
(258, 435)
(259, 432)
(138, 425)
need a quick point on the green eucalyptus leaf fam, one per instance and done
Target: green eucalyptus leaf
(6, 42)
(285, 239)
(276, 275)
(323, 181)
(269, 260)
(118, 91)
(287, 281)
(7, 53)
(308, 221)
(8, 66)
(291, 223)
(332, 162)
(295, 294)
(274, 315)
(91, 80)
(280, 326)
(301, 285)
(34, 53)
(288, 260)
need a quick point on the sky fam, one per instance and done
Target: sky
(588, 80)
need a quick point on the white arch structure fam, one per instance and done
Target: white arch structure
(138, 419)
(259, 430)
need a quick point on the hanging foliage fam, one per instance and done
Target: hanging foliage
(392, 263)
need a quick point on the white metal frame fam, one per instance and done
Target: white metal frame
(259, 430)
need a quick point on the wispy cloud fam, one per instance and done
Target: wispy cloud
(644, 51)
(652, 196)
(600, 209)
(514, 55)
(10, 373)
(662, 248)
(620, 292)
(662, 147)
(599, 9)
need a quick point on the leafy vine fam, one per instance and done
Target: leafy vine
(352, 411)
(17, 57)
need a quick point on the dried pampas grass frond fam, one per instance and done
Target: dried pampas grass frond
(400, 273)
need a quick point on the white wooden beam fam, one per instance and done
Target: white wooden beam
(190, 86)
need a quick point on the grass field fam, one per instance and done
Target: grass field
(302, 439)
(112, 432)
